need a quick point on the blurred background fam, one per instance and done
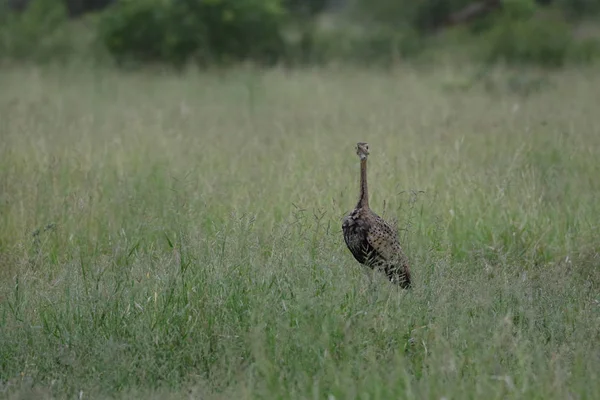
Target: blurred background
(179, 33)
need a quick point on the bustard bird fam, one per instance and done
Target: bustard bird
(372, 241)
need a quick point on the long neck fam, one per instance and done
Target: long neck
(363, 201)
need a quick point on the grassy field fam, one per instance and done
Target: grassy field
(168, 236)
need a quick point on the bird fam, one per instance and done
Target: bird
(372, 241)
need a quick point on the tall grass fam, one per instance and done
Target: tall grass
(168, 236)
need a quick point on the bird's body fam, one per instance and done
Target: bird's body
(371, 240)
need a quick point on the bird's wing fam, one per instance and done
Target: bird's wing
(384, 239)
(388, 254)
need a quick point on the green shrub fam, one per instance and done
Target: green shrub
(579, 8)
(521, 36)
(137, 29)
(514, 10)
(176, 31)
(37, 34)
(423, 15)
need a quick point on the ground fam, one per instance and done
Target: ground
(177, 235)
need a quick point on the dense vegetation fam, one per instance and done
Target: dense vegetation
(179, 32)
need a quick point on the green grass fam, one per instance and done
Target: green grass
(168, 236)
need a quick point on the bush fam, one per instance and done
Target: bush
(37, 34)
(530, 42)
(177, 31)
(424, 15)
(522, 34)
(136, 29)
(579, 8)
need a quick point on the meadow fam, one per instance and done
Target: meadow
(174, 236)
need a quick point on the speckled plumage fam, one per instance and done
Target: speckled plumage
(371, 240)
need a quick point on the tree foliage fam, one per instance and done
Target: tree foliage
(423, 15)
(297, 31)
(36, 33)
(177, 31)
(522, 38)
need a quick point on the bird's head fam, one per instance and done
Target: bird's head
(362, 149)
